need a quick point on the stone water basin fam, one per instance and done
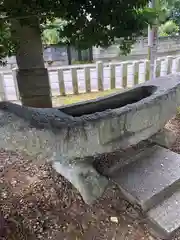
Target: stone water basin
(123, 119)
(113, 123)
(71, 136)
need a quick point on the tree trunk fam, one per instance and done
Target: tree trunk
(32, 76)
(79, 55)
(69, 54)
(90, 54)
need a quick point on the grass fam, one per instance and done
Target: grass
(69, 99)
(178, 112)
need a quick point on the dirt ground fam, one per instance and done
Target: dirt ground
(36, 203)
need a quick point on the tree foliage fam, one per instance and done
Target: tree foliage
(88, 23)
(175, 12)
(168, 29)
(51, 32)
(50, 36)
(102, 28)
(172, 10)
(7, 46)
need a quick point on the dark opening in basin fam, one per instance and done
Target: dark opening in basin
(111, 102)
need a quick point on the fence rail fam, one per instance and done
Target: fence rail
(92, 77)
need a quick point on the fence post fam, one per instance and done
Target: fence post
(158, 68)
(2, 88)
(124, 74)
(87, 78)
(164, 67)
(136, 72)
(100, 75)
(147, 70)
(177, 64)
(169, 64)
(112, 75)
(14, 74)
(74, 80)
(61, 82)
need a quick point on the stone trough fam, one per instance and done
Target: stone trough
(71, 136)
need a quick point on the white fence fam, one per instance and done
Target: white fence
(92, 77)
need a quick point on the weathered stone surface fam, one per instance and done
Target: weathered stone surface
(126, 125)
(84, 177)
(164, 138)
(71, 135)
(152, 176)
(165, 217)
(19, 134)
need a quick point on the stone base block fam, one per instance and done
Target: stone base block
(84, 178)
(164, 138)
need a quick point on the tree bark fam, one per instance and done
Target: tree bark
(32, 76)
(79, 55)
(69, 54)
(90, 54)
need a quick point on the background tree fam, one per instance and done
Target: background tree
(175, 12)
(90, 23)
(169, 28)
(51, 34)
(7, 48)
(170, 17)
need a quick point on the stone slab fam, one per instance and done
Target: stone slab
(152, 176)
(165, 217)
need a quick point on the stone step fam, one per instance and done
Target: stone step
(153, 176)
(165, 217)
